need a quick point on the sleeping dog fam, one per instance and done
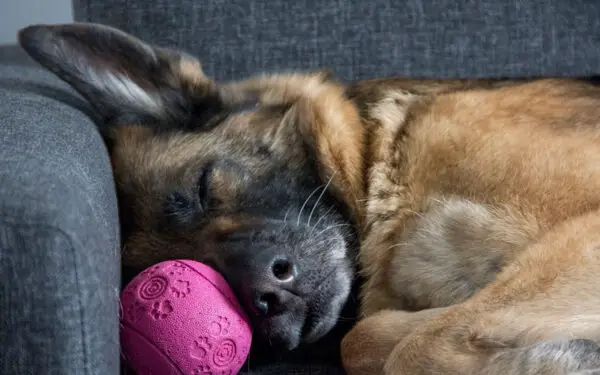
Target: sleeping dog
(469, 206)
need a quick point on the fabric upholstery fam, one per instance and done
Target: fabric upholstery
(59, 237)
(362, 39)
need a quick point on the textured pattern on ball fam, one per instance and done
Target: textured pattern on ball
(181, 317)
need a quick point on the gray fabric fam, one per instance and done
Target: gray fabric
(359, 39)
(59, 238)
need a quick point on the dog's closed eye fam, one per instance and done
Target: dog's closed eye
(179, 209)
(182, 209)
(202, 188)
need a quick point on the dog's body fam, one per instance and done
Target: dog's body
(475, 202)
(482, 202)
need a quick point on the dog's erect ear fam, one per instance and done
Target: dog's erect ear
(123, 78)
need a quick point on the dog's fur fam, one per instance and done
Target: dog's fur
(475, 201)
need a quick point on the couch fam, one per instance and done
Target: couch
(59, 231)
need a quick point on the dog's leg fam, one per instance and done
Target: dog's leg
(540, 316)
(367, 346)
(366, 349)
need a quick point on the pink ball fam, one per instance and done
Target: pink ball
(181, 317)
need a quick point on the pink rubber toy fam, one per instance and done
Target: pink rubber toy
(181, 317)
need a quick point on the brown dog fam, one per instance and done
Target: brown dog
(475, 202)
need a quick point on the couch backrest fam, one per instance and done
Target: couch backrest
(368, 38)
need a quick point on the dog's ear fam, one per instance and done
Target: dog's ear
(123, 78)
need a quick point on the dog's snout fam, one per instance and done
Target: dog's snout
(283, 270)
(291, 284)
(269, 287)
(272, 302)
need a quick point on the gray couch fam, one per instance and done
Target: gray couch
(59, 233)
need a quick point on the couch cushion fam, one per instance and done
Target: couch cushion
(360, 39)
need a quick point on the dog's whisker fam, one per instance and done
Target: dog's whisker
(321, 218)
(305, 202)
(331, 227)
(287, 212)
(319, 198)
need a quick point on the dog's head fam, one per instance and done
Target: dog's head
(259, 179)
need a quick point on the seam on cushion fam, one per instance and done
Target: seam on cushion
(31, 224)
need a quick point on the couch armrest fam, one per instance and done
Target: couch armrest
(59, 237)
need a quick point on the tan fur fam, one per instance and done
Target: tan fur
(466, 184)
(191, 71)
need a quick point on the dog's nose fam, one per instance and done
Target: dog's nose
(270, 291)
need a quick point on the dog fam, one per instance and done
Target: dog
(469, 206)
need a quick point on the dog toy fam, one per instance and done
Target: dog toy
(181, 317)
